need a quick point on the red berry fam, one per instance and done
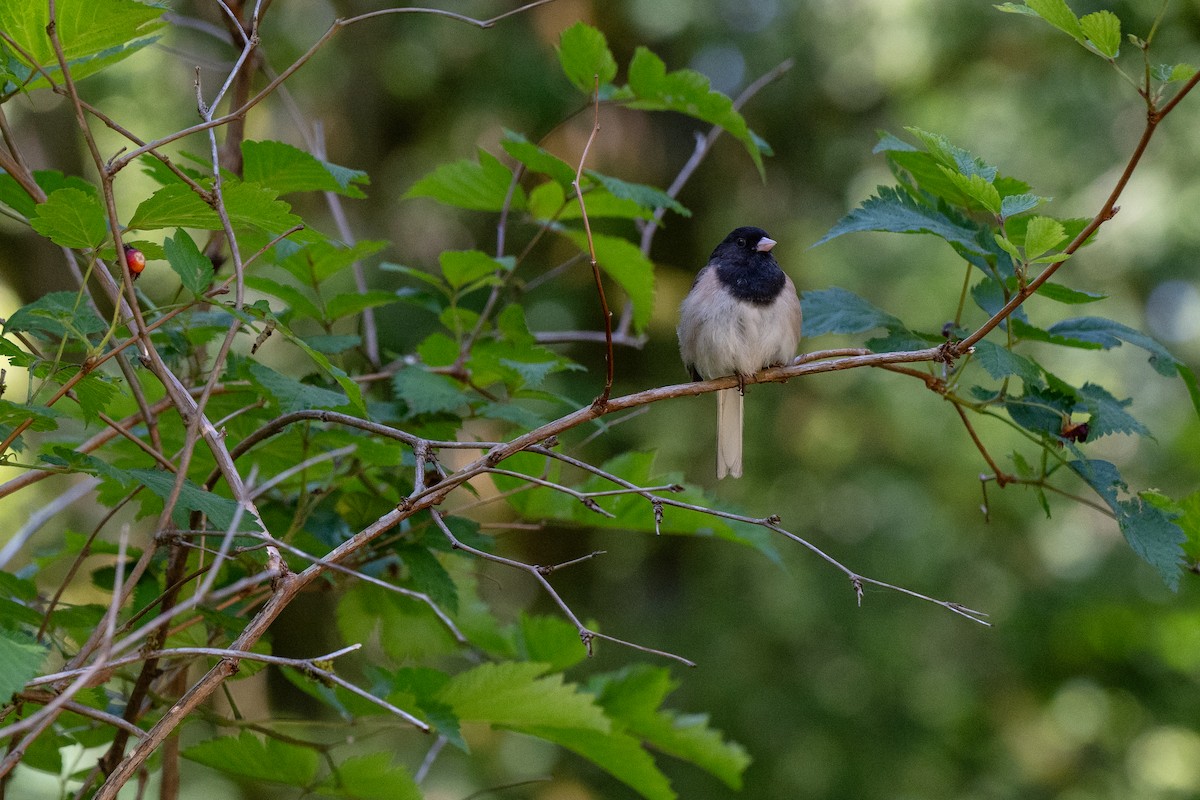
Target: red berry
(135, 259)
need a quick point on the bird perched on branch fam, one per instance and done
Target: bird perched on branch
(742, 315)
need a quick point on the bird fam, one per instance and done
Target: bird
(741, 315)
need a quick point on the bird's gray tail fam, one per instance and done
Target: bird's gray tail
(729, 433)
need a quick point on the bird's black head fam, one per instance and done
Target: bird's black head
(746, 267)
(744, 242)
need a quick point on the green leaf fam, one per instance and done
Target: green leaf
(1001, 362)
(370, 777)
(291, 394)
(619, 754)
(538, 159)
(896, 212)
(174, 206)
(251, 205)
(1064, 294)
(321, 260)
(463, 267)
(57, 314)
(94, 34)
(296, 300)
(195, 270)
(464, 184)
(1151, 531)
(95, 393)
(624, 263)
(71, 218)
(978, 188)
(45, 418)
(247, 756)
(632, 698)
(345, 305)
(193, 497)
(20, 660)
(521, 696)
(285, 169)
(1105, 333)
(1019, 203)
(837, 310)
(1103, 30)
(647, 197)
(1042, 235)
(584, 55)
(1108, 413)
(1058, 14)
(1153, 535)
(687, 92)
(550, 640)
(426, 392)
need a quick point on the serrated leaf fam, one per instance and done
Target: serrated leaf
(1064, 294)
(687, 92)
(20, 660)
(623, 261)
(1058, 14)
(71, 218)
(1106, 334)
(632, 698)
(1040, 409)
(977, 187)
(94, 393)
(174, 206)
(1015, 204)
(463, 267)
(837, 310)
(474, 186)
(647, 197)
(351, 303)
(1001, 362)
(320, 261)
(619, 754)
(426, 392)
(192, 497)
(247, 756)
(896, 212)
(45, 418)
(584, 55)
(195, 270)
(537, 158)
(285, 169)
(292, 395)
(1042, 235)
(550, 640)
(94, 34)
(56, 313)
(521, 696)
(370, 777)
(1153, 535)
(296, 300)
(1103, 30)
(1108, 413)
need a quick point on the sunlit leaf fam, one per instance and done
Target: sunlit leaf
(285, 169)
(195, 270)
(71, 218)
(584, 55)
(482, 186)
(1103, 30)
(894, 212)
(248, 756)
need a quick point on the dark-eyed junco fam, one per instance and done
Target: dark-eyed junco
(742, 315)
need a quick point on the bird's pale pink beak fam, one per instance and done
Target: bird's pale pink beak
(764, 245)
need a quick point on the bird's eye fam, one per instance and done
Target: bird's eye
(741, 242)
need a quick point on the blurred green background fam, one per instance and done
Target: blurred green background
(1088, 685)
